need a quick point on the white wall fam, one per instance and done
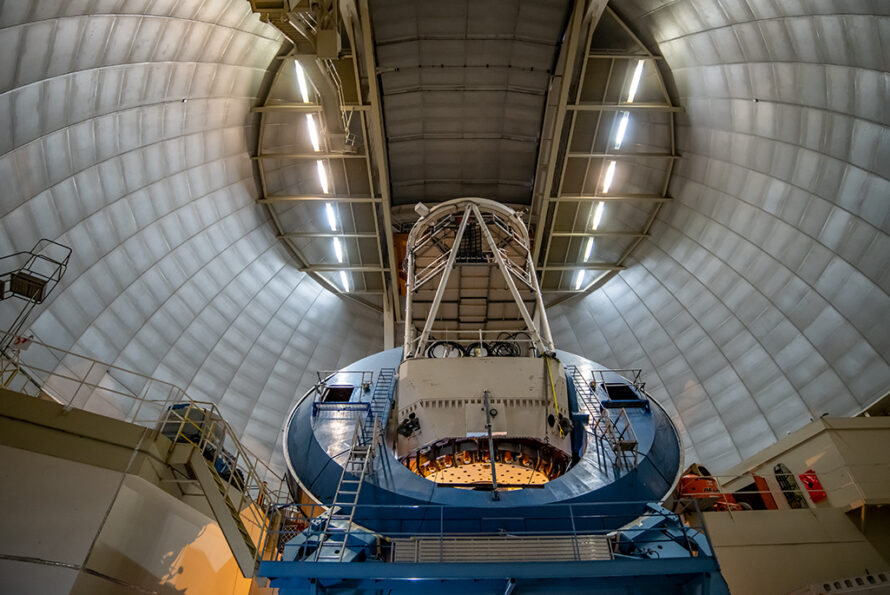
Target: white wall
(59, 516)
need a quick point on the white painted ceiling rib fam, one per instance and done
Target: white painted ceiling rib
(176, 271)
(761, 299)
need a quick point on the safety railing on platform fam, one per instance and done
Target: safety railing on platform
(847, 486)
(633, 375)
(609, 432)
(556, 532)
(618, 435)
(75, 381)
(334, 389)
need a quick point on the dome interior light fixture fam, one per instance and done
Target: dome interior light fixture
(313, 132)
(610, 177)
(322, 175)
(622, 130)
(598, 215)
(301, 81)
(338, 250)
(579, 279)
(331, 215)
(635, 81)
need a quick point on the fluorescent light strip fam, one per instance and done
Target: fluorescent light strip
(338, 250)
(301, 81)
(635, 81)
(313, 132)
(344, 280)
(622, 130)
(322, 176)
(332, 217)
(589, 249)
(610, 175)
(598, 214)
(579, 279)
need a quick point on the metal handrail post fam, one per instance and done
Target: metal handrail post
(574, 534)
(685, 533)
(704, 528)
(140, 400)
(70, 404)
(494, 475)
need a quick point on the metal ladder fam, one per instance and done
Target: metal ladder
(367, 435)
(600, 423)
(621, 438)
(381, 401)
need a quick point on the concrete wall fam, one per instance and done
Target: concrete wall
(851, 457)
(845, 534)
(70, 527)
(766, 552)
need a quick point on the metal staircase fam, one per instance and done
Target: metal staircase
(619, 435)
(201, 454)
(381, 401)
(585, 396)
(367, 435)
(221, 496)
(622, 441)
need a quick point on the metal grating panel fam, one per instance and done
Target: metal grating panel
(501, 549)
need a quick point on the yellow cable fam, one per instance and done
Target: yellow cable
(553, 390)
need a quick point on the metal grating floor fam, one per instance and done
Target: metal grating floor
(501, 549)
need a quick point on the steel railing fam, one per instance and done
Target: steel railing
(78, 381)
(842, 486)
(428, 538)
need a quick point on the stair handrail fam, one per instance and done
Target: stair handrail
(259, 490)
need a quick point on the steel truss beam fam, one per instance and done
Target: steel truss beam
(299, 156)
(304, 107)
(440, 291)
(624, 569)
(323, 268)
(339, 100)
(621, 155)
(431, 239)
(588, 266)
(612, 107)
(571, 97)
(600, 234)
(611, 197)
(332, 234)
(319, 198)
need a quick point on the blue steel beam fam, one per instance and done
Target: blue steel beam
(646, 585)
(487, 570)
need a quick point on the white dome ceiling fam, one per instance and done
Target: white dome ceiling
(760, 300)
(128, 137)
